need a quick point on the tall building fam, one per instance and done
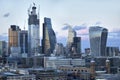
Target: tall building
(87, 51)
(71, 35)
(98, 39)
(76, 45)
(33, 31)
(13, 37)
(23, 41)
(49, 37)
(3, 48)
(112, 51)
(59, 49)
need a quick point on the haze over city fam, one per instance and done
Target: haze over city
(80, 14)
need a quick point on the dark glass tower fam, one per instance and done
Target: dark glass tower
(77, 44)
(49, 37)
(23, 41)
(98, 39)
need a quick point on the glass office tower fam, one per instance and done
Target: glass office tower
(33, 32)
(98, 40)
(49, 37)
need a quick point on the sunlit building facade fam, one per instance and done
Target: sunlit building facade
(33, 31)
(59, 49)
(98, 39)
(49, 37)
(13, 37)
(70, 39)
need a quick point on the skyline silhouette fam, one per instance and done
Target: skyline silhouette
(79, 14)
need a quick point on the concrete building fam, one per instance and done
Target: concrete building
(98, 39)
(108, 77)
(87, 51)
(49, 37)
(102, 64)
(15, 52)
(112, 51)
(13, 37)
(33, 31)
(76, 73)
(48, 74)
(8, 73)
(108, 66)
(3, 48)
(59, 50)
(13, 76)
(54, 62)
(20, 77)
(92, 68)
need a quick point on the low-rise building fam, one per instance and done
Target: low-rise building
(75, 72)
(48, 74)
(55, 62)
(16, 76)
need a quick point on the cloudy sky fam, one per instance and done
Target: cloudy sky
(80, 14)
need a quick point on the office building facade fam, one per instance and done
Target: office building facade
(76, 46)
(112, 51)
(13, 37)
(71, 35)
(23, 41)
(49, 37)
(59, 49)
(98, 39)
(3, 48)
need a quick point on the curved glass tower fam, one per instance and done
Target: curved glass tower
(49, 37)
(98, 39)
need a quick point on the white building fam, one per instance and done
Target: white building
(33, 31)
(54, 62)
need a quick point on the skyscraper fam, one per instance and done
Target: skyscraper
(98, 39)
(33, 31)
(49, 37)
(13, 36)
(3, 48)
(77, 44)
(23, 41)
(59, 49)
(112, 51)
(71, 35)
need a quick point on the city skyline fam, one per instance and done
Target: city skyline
(79, 14)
